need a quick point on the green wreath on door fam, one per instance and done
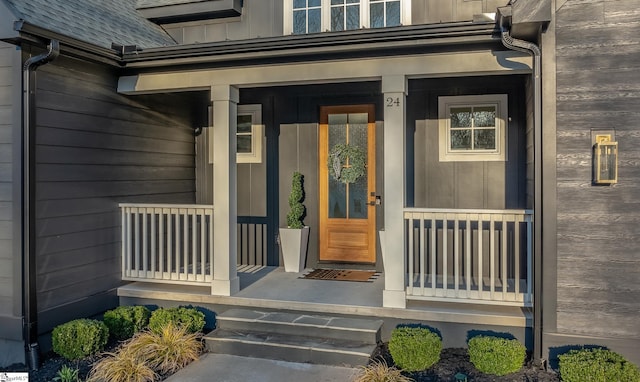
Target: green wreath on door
(340, 155)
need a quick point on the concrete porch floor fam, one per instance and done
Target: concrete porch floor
(271, 288)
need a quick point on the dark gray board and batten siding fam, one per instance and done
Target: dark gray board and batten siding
(598, 263)
(465, 184)
(7, 111)
(10, 254)
(95, 149)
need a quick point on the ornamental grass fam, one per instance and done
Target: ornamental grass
(379, 371)
(122, 366)
(168, 351)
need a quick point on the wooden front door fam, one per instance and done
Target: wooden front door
(347, 184)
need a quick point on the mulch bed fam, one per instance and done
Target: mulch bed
(51, 363)
(456, 360)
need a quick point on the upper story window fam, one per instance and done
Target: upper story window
(307, 16)
(384, 13)
(472, 128)
(313, 16)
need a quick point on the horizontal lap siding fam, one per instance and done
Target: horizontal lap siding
(7, 88)
(598, 61)
(95, 149)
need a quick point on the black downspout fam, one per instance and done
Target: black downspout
(534, 50)
(29, 292)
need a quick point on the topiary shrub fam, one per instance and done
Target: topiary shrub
(79, 338)
(296, 208)
(495, 355)
(188, 318)
(125, 321)
(414, 348)
(596, 365)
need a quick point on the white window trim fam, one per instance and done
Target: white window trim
(257, 133)
(405, 15)
(446, 103)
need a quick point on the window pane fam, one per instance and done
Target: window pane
(337, 190)
(244, 123)
(376, 11)
(315, 20)
(353, 1)
(353, 17)
(358, 133)
(338, 119)
(244, 144)
(337, 2)
(484, 139)
(393, 13)
(484, 116)
(299, 22)
(358, 199)
(460, 117)
(297, 4)
(314, 3)
(337, 198)
(461, 139)
(359, 118)
(337, 18)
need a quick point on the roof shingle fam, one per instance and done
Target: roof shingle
(99, 22)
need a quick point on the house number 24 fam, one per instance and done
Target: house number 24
(391, 102)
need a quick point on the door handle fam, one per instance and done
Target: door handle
(377, 201)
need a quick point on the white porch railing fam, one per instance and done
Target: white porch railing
(476, 256)
(167, 243)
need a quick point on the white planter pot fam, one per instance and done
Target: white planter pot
(294, 248)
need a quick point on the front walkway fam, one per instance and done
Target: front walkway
(231, 368)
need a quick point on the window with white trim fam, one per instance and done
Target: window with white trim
(249, 134)
(472, 128)
(313, 16)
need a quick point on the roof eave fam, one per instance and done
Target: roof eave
(71, 46)
(364, 40)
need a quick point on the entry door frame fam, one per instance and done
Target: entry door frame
(350, 231)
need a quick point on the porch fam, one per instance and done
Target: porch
(272, 289)
(479, 257)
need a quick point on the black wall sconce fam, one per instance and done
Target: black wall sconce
(605, 158)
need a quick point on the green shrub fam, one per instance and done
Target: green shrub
(596, 365)
(497, 356)
(125, 321)
(297, 209)
(189, 318)
(79, 338)
(414, 348)
(67, 374)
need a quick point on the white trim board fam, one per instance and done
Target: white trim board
(417, 66)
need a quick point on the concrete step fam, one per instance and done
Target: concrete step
(295, 337)
(289, 348)
(355, 329)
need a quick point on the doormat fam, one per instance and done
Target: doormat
(341, 275)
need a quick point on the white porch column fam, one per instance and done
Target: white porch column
(394, 89)
(225, 216)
